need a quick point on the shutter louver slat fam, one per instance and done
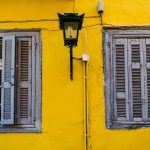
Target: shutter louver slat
(148, 90)
(148, 73)
(136, 93)
(135, 53)
(120, 80)
(136, 80)
(24, 60)
(7, 103)
(24, 103)
(148, 53)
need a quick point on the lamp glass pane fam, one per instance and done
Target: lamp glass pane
(71, 30)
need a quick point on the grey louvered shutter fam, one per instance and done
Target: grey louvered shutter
(121, 80)
(136, 79)
(146, 44)
(7, 97)
(24, 97)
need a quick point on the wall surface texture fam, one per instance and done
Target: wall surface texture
(62, 100)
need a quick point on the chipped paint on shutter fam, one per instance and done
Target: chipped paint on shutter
(121, 84)
(133, 94)
(24, 100)
(147, 76)
(136, 80)
(8, 57)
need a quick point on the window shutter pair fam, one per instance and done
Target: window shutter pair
(16, 81)
(132, 79)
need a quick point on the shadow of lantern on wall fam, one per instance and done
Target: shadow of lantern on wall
(70, 23)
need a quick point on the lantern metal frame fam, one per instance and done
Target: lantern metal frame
(70, 42)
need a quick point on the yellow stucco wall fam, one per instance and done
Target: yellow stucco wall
(62, 100)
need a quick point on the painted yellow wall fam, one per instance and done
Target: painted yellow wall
(62, 100)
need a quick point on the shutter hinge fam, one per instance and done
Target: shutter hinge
(109, 43)
(16, 116)
(143, 101)
(129, 101)
(30, 112)
(35, 44)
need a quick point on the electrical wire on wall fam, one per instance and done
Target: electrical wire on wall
(85, 90)
(55, 20)
(101, 19)
(86, 99)
(85, 69)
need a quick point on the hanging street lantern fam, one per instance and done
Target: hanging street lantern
(70, 23)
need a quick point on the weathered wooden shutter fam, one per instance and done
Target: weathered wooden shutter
(121, 80)
(146, 45)
(7, 97)
(24, 97)
(136, 80)
(132, 79)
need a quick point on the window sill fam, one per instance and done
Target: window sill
(116, 125)
(20, 129)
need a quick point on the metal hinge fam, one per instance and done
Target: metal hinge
(35, 44)
(109, 43)
(16, 116)
(30, 112)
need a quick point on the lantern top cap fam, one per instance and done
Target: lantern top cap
(70, 17)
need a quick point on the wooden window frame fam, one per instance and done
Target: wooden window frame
(36, 128)
(108, 34)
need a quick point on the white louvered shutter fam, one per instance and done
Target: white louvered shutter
(7, 97)
(121, 80)
(24, 102)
